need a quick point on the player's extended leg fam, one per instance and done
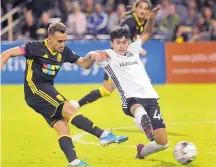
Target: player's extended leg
(81, 122)
(159, 130)
(66, 143)
(160, 143)
(104, 91)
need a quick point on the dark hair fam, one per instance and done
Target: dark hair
(57, 27)
(118, 33)
(140, 1)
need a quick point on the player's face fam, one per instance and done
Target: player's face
(120, 45)
(142, 10)
(58, 41)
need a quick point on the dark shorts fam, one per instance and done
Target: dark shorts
(47, 101)
(152, 108)
(107, 78)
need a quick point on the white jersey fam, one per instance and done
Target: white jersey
(128, 73)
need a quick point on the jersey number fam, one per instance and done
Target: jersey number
(157, 115)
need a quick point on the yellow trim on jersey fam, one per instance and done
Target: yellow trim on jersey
(59, 137)
(137, 20)
(29, 76)
(104, 92)
(45, 42)
(34, 88)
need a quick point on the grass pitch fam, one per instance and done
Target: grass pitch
(189, 112)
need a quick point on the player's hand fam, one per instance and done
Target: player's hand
(143, 52)
(155, 11)
(99, 56)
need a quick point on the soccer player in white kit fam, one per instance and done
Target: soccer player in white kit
(138, 97)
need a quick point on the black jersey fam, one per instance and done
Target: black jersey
(42, 65)
(135, 27)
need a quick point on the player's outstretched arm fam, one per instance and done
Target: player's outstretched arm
(16, 51)
(87, 61)
(149, 27)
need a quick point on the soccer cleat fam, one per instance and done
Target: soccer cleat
(121, 139)
(111, 138)
(147, 127)
(75, 104)
(80, 163)
(139, 149)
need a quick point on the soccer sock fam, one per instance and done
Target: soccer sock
(153, 147)
(67, 147)
(138, 113)
(91, 97)
(87, 125)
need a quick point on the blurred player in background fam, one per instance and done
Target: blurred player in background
(134, 22)
(43, 61)
(138, 97)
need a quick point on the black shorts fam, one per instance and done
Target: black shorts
(152, 108)
(47, 101)
(107, 78)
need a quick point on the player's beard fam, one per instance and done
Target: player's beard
(60, 49)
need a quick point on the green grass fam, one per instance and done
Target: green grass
(189, 112)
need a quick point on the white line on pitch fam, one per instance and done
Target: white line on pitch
(78, 136)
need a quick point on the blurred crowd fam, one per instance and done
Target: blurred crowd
(178, 20)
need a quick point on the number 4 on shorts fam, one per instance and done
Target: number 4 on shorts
(157, 115)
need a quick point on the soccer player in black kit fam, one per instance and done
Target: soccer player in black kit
(43, 61)
(135, 23)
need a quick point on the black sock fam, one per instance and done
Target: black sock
(85, 124)
(91, 97)
(67, 147)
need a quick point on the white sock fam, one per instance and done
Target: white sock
(139, 112)
(75, 104)
(104, 134)
(74, 162)
(152, 147)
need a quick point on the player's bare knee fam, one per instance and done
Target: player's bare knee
(134, 107)
(68, 110)
(61, 128)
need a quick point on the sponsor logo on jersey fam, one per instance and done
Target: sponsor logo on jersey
(50, 69)
(128, 63)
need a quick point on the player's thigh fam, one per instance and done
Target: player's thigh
(130, 105)
(153, 110)
(47, 102)
(107, 84)
(43, 108)
(53, 99)
(68, 111)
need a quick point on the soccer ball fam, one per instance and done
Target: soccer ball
(185, 152)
